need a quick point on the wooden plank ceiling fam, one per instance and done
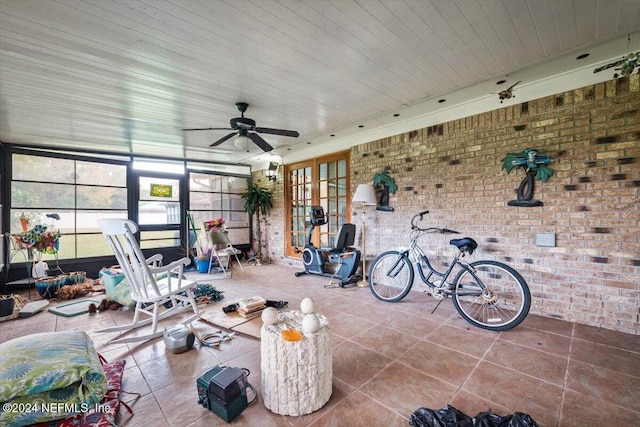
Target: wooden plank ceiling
(127, 76)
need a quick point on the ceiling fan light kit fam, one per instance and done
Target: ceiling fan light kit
(242, 142)
(242, 126)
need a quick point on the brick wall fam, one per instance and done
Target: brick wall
(591, 203)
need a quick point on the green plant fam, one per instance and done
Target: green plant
(257, 200)
(383, 178)
(531, 161)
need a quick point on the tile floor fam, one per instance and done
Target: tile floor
(388, 360)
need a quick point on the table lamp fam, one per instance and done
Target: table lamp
(364, 196)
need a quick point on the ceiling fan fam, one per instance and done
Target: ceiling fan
(242, 127)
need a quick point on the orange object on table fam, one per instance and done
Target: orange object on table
(291, 335)
(24, 222)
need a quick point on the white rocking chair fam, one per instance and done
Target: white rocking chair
(221, 238)
(152, 285)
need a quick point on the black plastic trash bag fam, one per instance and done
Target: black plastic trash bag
(452, 417)
(517, 419)
(446, 417)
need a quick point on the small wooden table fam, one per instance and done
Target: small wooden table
(296, 376)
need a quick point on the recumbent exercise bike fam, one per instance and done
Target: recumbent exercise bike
(342, 253)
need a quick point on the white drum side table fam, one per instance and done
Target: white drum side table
(296, 375)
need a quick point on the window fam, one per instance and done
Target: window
(79, 188)
(78, 192)
(324, 182)
(214, 196)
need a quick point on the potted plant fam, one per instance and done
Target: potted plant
(202, 262)
(388, 186)
(257, 200)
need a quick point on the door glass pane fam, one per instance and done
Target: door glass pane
(332, 170)
(324, 191)
(323, 171)
(342, 187)
(342, 168)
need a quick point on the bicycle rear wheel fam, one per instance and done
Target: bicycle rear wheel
(505, 302)
(390, 276)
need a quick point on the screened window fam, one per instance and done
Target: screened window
(77, 192)
(213, 196)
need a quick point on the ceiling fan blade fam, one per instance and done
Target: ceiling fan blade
(186, 130)
(260, 142)
(282, 132)
(223, 139)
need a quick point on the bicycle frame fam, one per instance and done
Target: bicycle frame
(416, 256)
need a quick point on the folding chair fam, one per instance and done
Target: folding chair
(221, 238)
(152, 285)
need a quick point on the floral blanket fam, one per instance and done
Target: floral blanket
(49, 376)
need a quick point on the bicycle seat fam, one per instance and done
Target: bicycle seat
(466, 244)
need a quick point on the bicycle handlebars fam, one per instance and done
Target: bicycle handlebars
(447, 231)
(429, 229)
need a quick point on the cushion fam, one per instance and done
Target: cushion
(54, 368)
(122, 294)
(103, 415)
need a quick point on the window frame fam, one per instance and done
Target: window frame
(75, 235)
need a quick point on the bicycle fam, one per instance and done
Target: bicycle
(488, 294)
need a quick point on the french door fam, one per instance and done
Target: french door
(319, 182)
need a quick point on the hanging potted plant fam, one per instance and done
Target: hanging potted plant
(388, 184)
(257, 201)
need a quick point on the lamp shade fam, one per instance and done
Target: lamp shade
(365, 194)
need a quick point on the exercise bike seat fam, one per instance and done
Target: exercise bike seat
(344, 240)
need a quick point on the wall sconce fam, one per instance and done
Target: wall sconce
(272, 171)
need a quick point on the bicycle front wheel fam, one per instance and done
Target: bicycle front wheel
(390, 276)
(491, 295)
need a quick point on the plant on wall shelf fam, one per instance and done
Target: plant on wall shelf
(535, 166)
(388, 186)
(257, 200)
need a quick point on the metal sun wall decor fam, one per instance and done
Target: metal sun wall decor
(535, 166)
